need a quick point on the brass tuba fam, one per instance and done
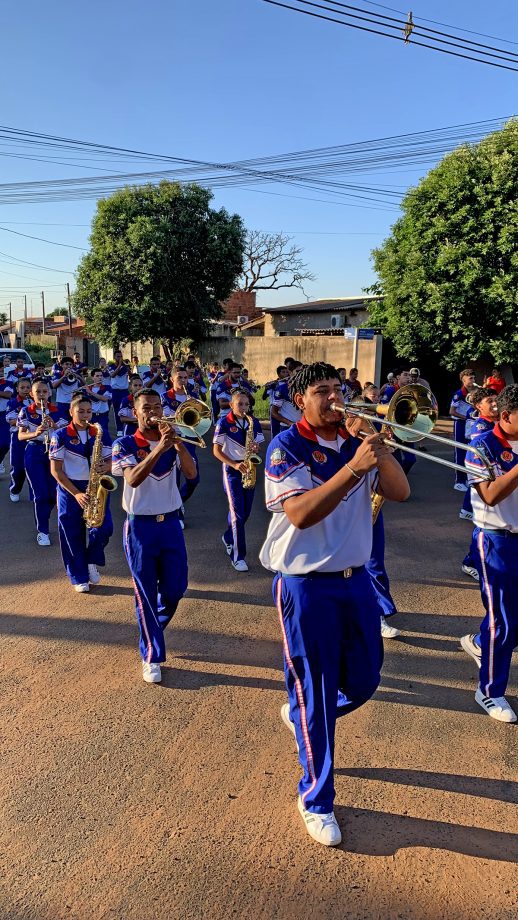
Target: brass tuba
(99, 485)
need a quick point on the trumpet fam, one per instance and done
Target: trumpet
(411, 414)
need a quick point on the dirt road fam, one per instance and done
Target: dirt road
(135, 802)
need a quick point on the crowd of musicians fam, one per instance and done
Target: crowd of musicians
(325, 475)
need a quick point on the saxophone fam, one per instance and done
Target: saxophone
(251, 459)
(99, 485)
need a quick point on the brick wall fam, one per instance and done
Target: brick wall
(241, 303)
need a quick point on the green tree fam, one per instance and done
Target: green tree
(449, 270)
(160, 263)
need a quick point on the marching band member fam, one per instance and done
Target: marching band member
(460, 410)
(154, 377)
(119, 373)
(153, 539)
(213, 372)
(20, 372)
(6, 394)
(224, 388)
(229, 447)
(180, 391)
(101, 397)
(196, 381)
(495, 515)
(126, 414)
(65, 382)
(77, 365)
(319, 479)
(17, 447)
(106, 377)
(41, 372)
(220, 375)
(268, 393)
(282, 408)
(35, 429)
(483, 400)
(347, 392)
(82, 548)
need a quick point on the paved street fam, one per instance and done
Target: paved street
(135, 802)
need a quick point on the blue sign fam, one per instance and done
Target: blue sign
(366, 333)
(349, 332)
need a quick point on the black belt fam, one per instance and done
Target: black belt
(343, 573)
(159, 518)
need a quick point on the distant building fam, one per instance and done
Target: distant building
(314, 317)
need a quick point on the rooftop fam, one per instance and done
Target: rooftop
(335, 304)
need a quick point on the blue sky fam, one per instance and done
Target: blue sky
(222, 80)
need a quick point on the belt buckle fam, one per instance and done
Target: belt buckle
(160, 518)
(348, 572)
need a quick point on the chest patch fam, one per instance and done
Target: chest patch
(506, 456)
(319, 457)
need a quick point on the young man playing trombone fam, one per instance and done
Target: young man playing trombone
(319, 479)
(153, 539)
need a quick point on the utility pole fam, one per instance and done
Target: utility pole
(43, 311)
(69, 310)
(10, 320)
(25, 307)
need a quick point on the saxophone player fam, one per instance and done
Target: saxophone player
(233, 443)
(71, 449)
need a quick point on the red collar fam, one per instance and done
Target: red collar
(464, 391)
(231, 419)
(490, 420)
(305, 429)
(50, 407)
(73, 432)
(501, 436)
(140, 440)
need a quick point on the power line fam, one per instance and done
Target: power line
(351, 25)
(447, 25)
(15, 260)
(28, 236)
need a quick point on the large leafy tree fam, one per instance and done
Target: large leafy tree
(161, 261)
(449, 270)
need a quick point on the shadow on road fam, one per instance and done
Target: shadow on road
(180, 679)
(375, 833)
(421, 693)
(500, 790)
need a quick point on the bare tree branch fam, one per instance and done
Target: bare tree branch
(271, 261)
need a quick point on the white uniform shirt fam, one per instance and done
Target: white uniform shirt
(503, 455)
(159, 493)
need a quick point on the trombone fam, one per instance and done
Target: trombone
(411, 414)
(191, 420)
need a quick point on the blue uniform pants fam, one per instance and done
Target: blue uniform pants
(41, 482)
(4, 436)
(377, 571)
(17, 461)
(189, 485)
(498, 555)
(275, 426)
(333, 654)
(157, 560)
(472, 557)
(117, 397)
(240, 503)
(80, 546)
(459, 434)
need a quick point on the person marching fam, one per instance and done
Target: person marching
(105, 371)
(101, 397)
(268, 393)
(153, 539)
(485, 417)
(119, 374)
(65, 382)
(319, 479)
(495, 515)
(154, 377)
(36, 424)
(17, 447)
(219, 376)
(460, 410)
(126, 414)
(171, 401)
(20, 372)
(232, 447)
(282, 409)
(71, 448)
(6, 394)
(224, 388)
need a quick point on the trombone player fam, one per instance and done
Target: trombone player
(319, 480)
(179, 393)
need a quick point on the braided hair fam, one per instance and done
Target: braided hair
(309, 374)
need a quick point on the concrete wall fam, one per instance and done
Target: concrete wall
(262, 355)
(289, 323)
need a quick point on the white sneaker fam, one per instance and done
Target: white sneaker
(323, 828)
(460, 487)
(465, 515)
(13, 497)
(471, 571)
(388, 632)
(151, 672)
(94, 576)
(240, 565)
(470, 646)
(228, 546)
(497, 707)
(2, 469)
(82, 589)
(43, 539)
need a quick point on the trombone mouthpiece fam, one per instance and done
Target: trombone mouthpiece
(337, 408)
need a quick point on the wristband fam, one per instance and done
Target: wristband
(355, 474)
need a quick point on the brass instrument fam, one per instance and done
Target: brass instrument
(251, 459)
(411, 414)
(99, 485)
(191, 420)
